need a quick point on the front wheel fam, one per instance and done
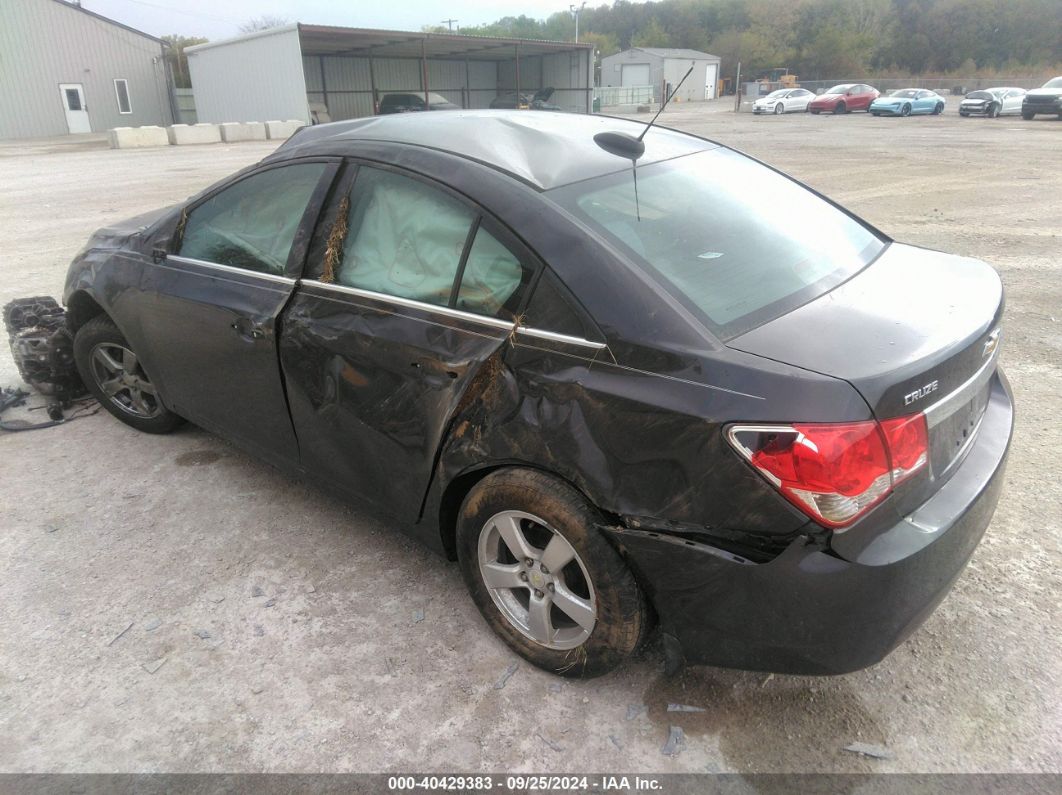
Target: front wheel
(938, 109)
(779, 109)
(1027, 116)
(905, 110)
(993, 111)
(840, 107)
(115, 377)
(544, 578)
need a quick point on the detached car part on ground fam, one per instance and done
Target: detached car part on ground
(1047, 99)
(615, 397)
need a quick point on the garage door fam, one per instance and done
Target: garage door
(711, 75)
(634, 74)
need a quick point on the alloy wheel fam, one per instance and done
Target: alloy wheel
(537, 580)
(120, 377)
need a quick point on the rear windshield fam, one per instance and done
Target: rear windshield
(1055, 83)
(736, 242)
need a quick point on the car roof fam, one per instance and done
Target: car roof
(544, 150)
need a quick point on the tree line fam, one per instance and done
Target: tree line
(822, 39)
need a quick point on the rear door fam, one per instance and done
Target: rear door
(211, 332)
(409, 290)
(862, 96)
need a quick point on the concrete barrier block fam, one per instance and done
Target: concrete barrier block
(232, 131)
(282, 129)
(136, 137)
(182, 134)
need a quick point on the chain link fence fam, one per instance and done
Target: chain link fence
(957, 86)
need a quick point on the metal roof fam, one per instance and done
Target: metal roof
(667, 52)
(332, 40)
(540, 148)
(77, 7)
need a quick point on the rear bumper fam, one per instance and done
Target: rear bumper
(809, 611)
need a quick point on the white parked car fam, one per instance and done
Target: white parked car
(784, 100)
(992, 102)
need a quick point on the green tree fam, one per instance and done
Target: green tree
(178, 60)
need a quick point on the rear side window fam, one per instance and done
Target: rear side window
(411, 240)
(736, 242)
(252, 224)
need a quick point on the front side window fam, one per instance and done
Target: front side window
(736, 242)
(252, 224)
(121, 92)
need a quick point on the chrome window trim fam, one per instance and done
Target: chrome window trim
(269, 277)
(959, 397)
(458, 314)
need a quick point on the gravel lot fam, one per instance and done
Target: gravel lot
(170, 604)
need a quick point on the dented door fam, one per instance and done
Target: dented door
(408, 293)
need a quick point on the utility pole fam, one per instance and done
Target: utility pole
(737, 89)
(450, 23)
(575, 13)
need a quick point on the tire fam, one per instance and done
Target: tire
(905, 110)
(535, 509)
(964, 115)
(938, 109)
(1027, 116)
(993, 111)
(779, 109)
(814, 112)
(840, 107)
(100, 350)
(874, 113)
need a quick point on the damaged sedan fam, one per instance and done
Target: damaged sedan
(584, 358)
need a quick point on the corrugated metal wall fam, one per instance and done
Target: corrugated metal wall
(45, 42)
(567, 72)
(349, 94)
(254, 78)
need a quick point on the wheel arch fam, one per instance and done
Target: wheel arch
(458, 487)
(81, 307)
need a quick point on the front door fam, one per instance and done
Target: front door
(381, 343)
(73, 97)
(211, 334)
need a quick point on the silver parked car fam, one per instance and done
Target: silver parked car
(992, 102)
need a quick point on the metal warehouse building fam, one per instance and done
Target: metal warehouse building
(655, 66)
(67, 70)
(274, 74)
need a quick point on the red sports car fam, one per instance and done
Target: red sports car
(844, 99)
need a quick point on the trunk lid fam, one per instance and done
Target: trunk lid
(914, 330)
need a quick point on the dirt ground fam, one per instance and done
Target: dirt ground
(170, 604)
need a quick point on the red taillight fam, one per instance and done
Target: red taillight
(835, 472)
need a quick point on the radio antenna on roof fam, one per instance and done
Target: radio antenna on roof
(626, 145)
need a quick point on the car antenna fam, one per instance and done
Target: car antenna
(626, 145)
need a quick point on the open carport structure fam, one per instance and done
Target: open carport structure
(274, 74)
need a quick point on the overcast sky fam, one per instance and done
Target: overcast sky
(219, 20)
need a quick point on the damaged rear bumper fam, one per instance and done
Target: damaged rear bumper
(808, 611)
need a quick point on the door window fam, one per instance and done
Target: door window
(492, 278)
(252, 224)
(73, 99)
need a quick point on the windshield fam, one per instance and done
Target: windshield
(907, 93)
(737, 243)
(980, 95)
(777, 94)
(839, 89)
(1056, 83)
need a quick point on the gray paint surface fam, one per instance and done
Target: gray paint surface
(666, 65)
(47, 42)
(253, 78)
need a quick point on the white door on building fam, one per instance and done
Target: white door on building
(634, 74)
(711, 77)
(77, 119)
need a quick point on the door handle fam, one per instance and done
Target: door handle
(246, 328)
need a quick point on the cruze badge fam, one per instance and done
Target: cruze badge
(920, 393)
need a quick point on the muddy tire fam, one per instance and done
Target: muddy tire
(114, 376)
(579, 616)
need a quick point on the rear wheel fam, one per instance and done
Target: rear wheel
(840, 107)
(113, 374)
(543, 576)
